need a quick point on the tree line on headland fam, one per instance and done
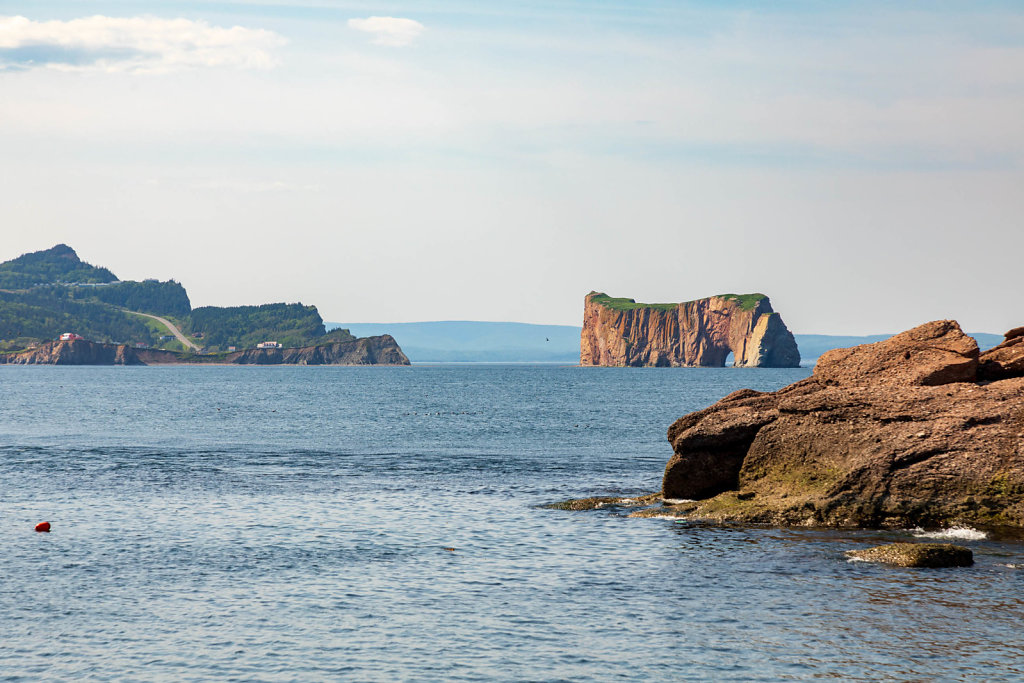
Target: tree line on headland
(46, 293)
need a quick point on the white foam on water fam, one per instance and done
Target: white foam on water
(1010, 566)
(676, 501)
(963, 533)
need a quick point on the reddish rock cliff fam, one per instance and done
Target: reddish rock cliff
(919, 429)
(77, 352)
(382, 350)
(621, 332)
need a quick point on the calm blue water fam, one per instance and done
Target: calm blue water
(291, 524)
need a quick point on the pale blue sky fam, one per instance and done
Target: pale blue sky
(858, 162)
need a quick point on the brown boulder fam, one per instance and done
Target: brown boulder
(1006, 360)
(932, 354)
(890, 434)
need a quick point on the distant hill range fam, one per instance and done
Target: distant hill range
(500, 342)
(48, 293)
(477, 342)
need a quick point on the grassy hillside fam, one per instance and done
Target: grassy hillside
(160, 298)
(246, 326)
(41, 316)
(53, 291)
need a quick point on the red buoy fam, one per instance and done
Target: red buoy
(43, 526)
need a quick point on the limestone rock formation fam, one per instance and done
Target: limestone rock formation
(621, 332)
(919, 429)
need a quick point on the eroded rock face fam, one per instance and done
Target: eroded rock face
(77, 352)
(619, 332)
(908, 431)
(382, 350)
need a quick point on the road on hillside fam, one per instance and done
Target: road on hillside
(174, 330)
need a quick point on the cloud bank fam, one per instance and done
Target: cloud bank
(132, 44)
(391, 31)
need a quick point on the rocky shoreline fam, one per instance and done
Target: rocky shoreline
(917, 430)
(381, 350)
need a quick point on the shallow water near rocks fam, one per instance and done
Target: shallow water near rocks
(294, 523)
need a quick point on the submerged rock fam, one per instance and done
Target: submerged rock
(917, 555)
(597, 502)
(916, 430)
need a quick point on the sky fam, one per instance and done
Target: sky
(859, 162)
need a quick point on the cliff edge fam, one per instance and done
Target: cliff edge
(621, 332)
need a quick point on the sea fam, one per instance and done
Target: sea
(388, 524)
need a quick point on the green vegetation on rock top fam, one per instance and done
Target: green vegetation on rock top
(148, 296)
(622, 304)
(51, 266)
(747, 302)
(291, 325)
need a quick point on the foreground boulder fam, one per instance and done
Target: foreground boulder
(917, 430)
(917, 555)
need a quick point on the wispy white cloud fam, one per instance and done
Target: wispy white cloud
(391, 31)
(255, 186)
(132, 44)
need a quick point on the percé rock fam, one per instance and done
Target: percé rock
(917, 555)
(916, 430)
(621, 332)
(382, 350)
